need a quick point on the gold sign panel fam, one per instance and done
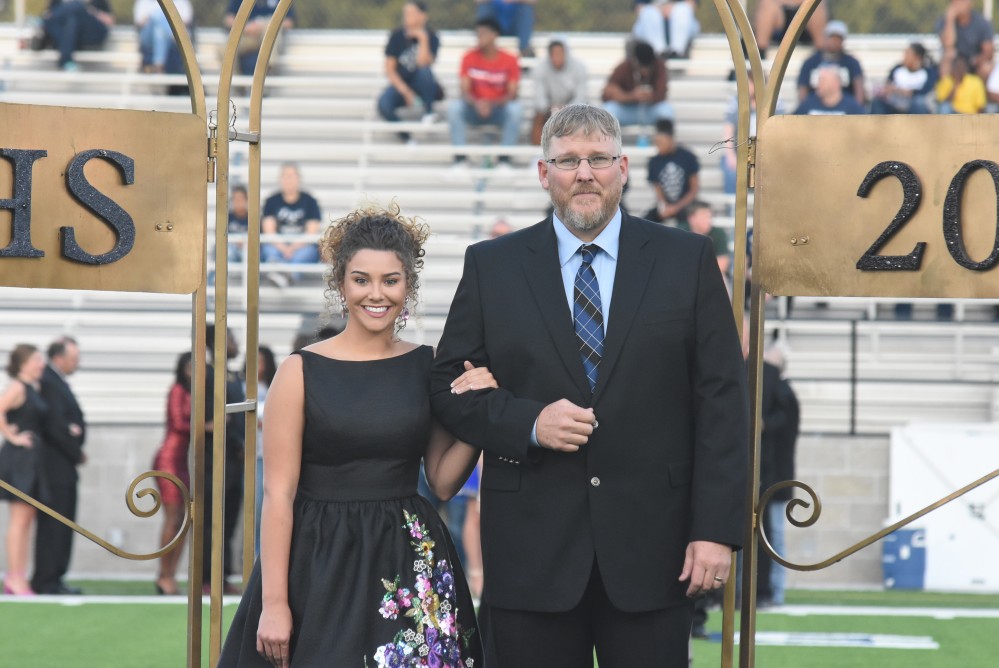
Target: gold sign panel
(102, 199)
(878, 206)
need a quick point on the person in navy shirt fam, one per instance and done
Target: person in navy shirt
(850, 72)
(253, 35)
(829, 98)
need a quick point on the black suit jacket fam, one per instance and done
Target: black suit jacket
(62, 452)
(667, 463)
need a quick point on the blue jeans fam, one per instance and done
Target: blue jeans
(422, 82)
(71, 26)
(915, 105)
(155, 40)
(681, 29)
(515, 18)
(776, 521)
(639, 113)
(728, 176)
(304, 255)
(460, 115)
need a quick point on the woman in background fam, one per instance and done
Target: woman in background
(172, 458)
(22, 414)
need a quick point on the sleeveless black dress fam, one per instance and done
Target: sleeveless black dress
(373, 580)
(19, 467)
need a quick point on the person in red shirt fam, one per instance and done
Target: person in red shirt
(489, 81)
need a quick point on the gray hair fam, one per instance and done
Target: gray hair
(580, 118)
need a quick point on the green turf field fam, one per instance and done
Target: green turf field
(152, 635)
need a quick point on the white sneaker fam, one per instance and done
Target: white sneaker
(458, 171)
(429, 118)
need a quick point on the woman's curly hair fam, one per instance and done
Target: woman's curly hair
(372, 227)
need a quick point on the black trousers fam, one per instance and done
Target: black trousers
(521, 639)
(53, 539)
(232, 503)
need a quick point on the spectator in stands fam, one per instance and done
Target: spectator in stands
(23, 412)
(960, 90)
(781, 421)
(490, 79)
(963, 29)
(409, 54)
(239, 221)
(253, 35)
(636, 90)
(909, 84)
(669, 26)
(172, 458)
(774, 16)
(992, 89)
(155, 37)
(851, 74)
(61, 453)
(310, 336)
(500, 228)
(559, 80)
(513, 17)
(266, 369)
(290, 211)
(828, 97)
(673, 173)
(74, 24)
(235, 440)
(700, 220)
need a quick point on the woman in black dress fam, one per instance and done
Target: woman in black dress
(22, 414)
(355, 568)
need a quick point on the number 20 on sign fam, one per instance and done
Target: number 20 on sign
(878, 206)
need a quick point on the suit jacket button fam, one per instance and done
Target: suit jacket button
(595, 481)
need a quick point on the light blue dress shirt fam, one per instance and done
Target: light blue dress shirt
(604, 266)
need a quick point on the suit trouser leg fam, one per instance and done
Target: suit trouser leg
(519, 639)
(53, 539)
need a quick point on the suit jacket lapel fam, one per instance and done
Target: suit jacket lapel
(630, 280)
(541, 265)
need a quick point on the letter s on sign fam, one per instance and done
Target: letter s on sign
(103, 206)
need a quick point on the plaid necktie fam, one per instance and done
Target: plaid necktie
(587, 316)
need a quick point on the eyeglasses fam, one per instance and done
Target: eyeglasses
(568, 162)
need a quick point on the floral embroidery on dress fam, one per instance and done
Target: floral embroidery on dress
(437, 639)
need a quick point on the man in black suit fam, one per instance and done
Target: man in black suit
(235, 438)
(65, 433)
(615, 449)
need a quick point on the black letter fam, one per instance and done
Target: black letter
(21, 161)
(102, 205)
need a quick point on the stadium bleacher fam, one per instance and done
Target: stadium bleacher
(320, 112)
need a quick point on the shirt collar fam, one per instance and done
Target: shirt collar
(609, 239)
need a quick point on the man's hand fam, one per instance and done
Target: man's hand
(483, 108)
(706, 566)
(563, 426)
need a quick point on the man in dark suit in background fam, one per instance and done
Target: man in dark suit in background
(615, 448)
(65, 433)
(235, 439)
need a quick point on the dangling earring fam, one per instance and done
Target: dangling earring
(343, 307)
(400, 322)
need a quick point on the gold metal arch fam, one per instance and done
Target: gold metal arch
(740, 35)
(193, 515)
(219, 152)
